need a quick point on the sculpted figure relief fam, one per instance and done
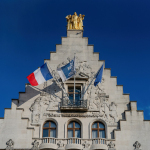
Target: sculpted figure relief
(35, 108)
(75, 22)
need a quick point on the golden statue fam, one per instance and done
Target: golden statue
(80, 22)
(69, 25)
(75, 22)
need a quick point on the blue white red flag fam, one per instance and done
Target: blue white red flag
(99, 76)
(40, 75)
(67, 71)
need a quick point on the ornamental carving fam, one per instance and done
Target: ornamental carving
(111, 145)
(10, 144)
(86, 144)
(60, 144)
(137, 145)
(35, 145)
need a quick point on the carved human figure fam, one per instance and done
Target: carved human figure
(105, 108)
(91, 93)
(75, 21)
(113, 111)
(69, 22)
(80, 22)
(35, 108)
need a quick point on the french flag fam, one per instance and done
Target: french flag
(40, 75)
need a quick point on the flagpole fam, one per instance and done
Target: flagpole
(74, 78)
(58, 82)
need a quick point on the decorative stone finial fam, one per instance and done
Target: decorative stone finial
(75, 22)
(10, 144)
(137, 145)
(35, 145)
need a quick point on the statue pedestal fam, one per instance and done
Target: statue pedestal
(75, 33)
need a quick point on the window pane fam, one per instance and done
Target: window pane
(52, 133)
(53, 125)
(77, 134)
(70, 133)
(45, 132)
(77, 125)
(94, 125)
(71, 97)
(46, 124)
(77, 97)
(70, 125)
(94, 134)
(102, 133)
(78, 93)
(101, 125)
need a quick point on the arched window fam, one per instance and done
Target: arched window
(98, 130)
(74, 130)
(49, 129)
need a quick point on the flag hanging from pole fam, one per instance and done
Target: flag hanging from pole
(40, 75)
(99, 76)
(67, 71)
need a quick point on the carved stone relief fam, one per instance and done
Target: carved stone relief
(113, 111)
(60, 144)
(107, 111)
(36, 110)
(86, 144)
(10, 144)
(137, 145)
(35, 145)
(111, 146)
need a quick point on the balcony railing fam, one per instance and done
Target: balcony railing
(73, 143)
(73, 105)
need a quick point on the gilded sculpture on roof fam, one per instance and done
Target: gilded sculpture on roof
(75, 22)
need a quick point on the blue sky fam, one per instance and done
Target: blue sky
(119, 30)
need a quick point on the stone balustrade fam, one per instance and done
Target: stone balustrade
(71, 143)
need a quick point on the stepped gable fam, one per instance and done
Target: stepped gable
(122, 125)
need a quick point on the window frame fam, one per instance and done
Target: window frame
(76, 87)
(49, 128)
(98, 129)
(73, 129)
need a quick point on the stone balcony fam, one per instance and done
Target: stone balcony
(73, 143)
(78, 105)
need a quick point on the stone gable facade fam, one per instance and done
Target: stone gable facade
(105, 118)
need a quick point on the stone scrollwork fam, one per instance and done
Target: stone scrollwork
(10, 144)
(35, 145)
(137, 145)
